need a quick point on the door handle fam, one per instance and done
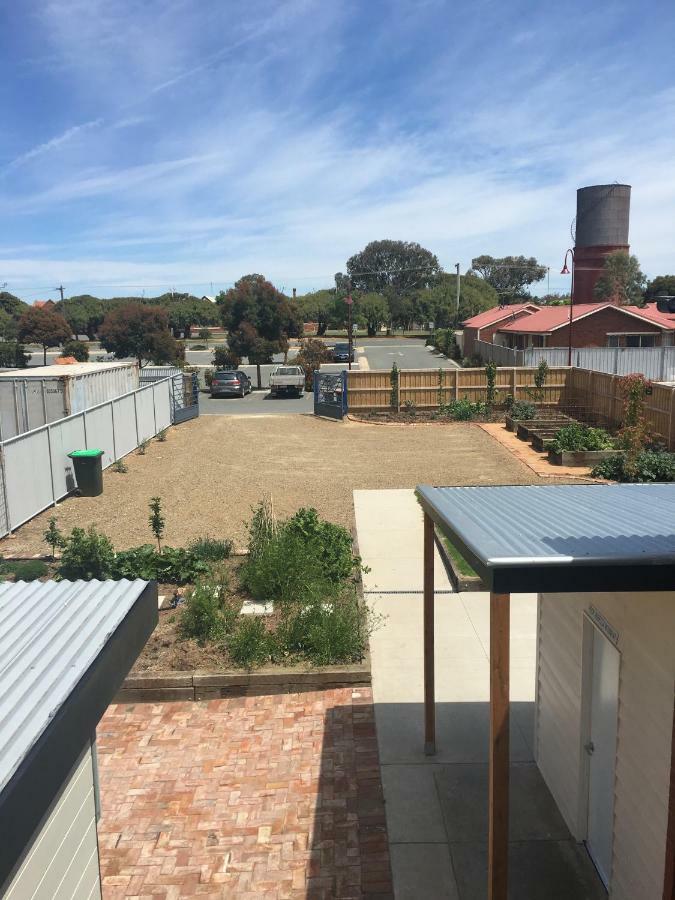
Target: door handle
(590, 748)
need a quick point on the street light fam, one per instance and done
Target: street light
(566, 271)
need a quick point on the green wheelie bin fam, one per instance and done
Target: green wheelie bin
(88, 471)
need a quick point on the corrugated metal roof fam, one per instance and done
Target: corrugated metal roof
(70, 371)
(560, 527)
(50, 634)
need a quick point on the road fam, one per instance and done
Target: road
(258, 403)
(407, 354)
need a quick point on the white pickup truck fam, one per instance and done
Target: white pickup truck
(289, 380)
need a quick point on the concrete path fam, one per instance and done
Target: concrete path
(436, 807)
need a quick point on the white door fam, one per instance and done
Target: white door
(601, 749)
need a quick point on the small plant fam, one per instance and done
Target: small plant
(410, 407)
(207, 615)
(250, 645)
(161, 435)
(648, 466)
(210, 549)
(393, 381)
(157, 521)
(464, 410)
(142, 447)
(522, 410)
(86, 555)
(120, 466)
(53, 537)
(633, 434)
(491, 381)
(262, 527)
(577, 437)
(24, 569)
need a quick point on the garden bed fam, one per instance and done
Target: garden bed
(579, 457)
(417, 417)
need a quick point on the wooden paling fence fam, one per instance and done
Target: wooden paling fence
(430, 388)
(594, 397)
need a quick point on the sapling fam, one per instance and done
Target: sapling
(157, 521)
(54, 537)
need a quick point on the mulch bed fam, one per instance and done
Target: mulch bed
(419, 417)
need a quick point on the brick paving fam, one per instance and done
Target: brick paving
(255, 797)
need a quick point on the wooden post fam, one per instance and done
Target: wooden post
(498, 806)
(429, 692)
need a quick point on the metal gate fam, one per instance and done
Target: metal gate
(184, 398)
(330, 394)
(184, 388)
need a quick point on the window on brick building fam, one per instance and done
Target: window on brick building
(631, 340)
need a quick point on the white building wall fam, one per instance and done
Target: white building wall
(62, 860)
(646, 626)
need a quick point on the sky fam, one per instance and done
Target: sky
(157, 144)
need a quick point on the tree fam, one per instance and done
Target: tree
(662, 284)
(156, 520)
(12, 305)
(509, 275)
(318, 307)
(140, 331)
(400, 266)
(438, 304)
(373, 309)
(83, 313)
(77, 350)
(224, 358)
(44, 327)
(554, 299)
(310, 356)
(13, 355)
(9, 326)
(621, 280)
(204, 335)
(259, 320)
(245, 341)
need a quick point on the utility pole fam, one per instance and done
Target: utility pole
(350, 336)
(457, 267)
(60, 289)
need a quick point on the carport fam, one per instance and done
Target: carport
(558, 541)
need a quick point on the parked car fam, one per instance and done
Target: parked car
(341, 353)
(287, 380)
(230, 384)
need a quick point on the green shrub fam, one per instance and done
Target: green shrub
(286, 570)
(262, 527)
(13, 355)
(161, 435)
(250, 644)
(198, 347)
(77, 349)
(328, 630)
(522, 410)
(174, 565)
(331, 543)
(463, 410)
(210, 549)
(207, 615)
(577, 437)
(648, 467)
(120, 466)
(86, 555)
(25, 569)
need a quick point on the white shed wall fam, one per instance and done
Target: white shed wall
(62, 861)
(646, 626)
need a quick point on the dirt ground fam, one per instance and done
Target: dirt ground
(210, 472)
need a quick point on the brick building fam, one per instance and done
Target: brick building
(593, 325)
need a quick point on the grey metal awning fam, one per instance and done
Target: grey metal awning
(561, 537)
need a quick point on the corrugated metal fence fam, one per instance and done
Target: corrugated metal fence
(36, 470)
(655, 363)
(429, 388)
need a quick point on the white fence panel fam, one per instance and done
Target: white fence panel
(124, 422)
(100, 433)
(162, 400)
(28, 476)
(36, 467)
(145, 414)
(65, 436)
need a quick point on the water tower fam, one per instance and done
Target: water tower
(603, 212)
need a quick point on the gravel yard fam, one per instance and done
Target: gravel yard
(211, 471)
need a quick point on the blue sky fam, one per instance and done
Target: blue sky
(151, 144)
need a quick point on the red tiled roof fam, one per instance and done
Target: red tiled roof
(497, 313)
(548, 318)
